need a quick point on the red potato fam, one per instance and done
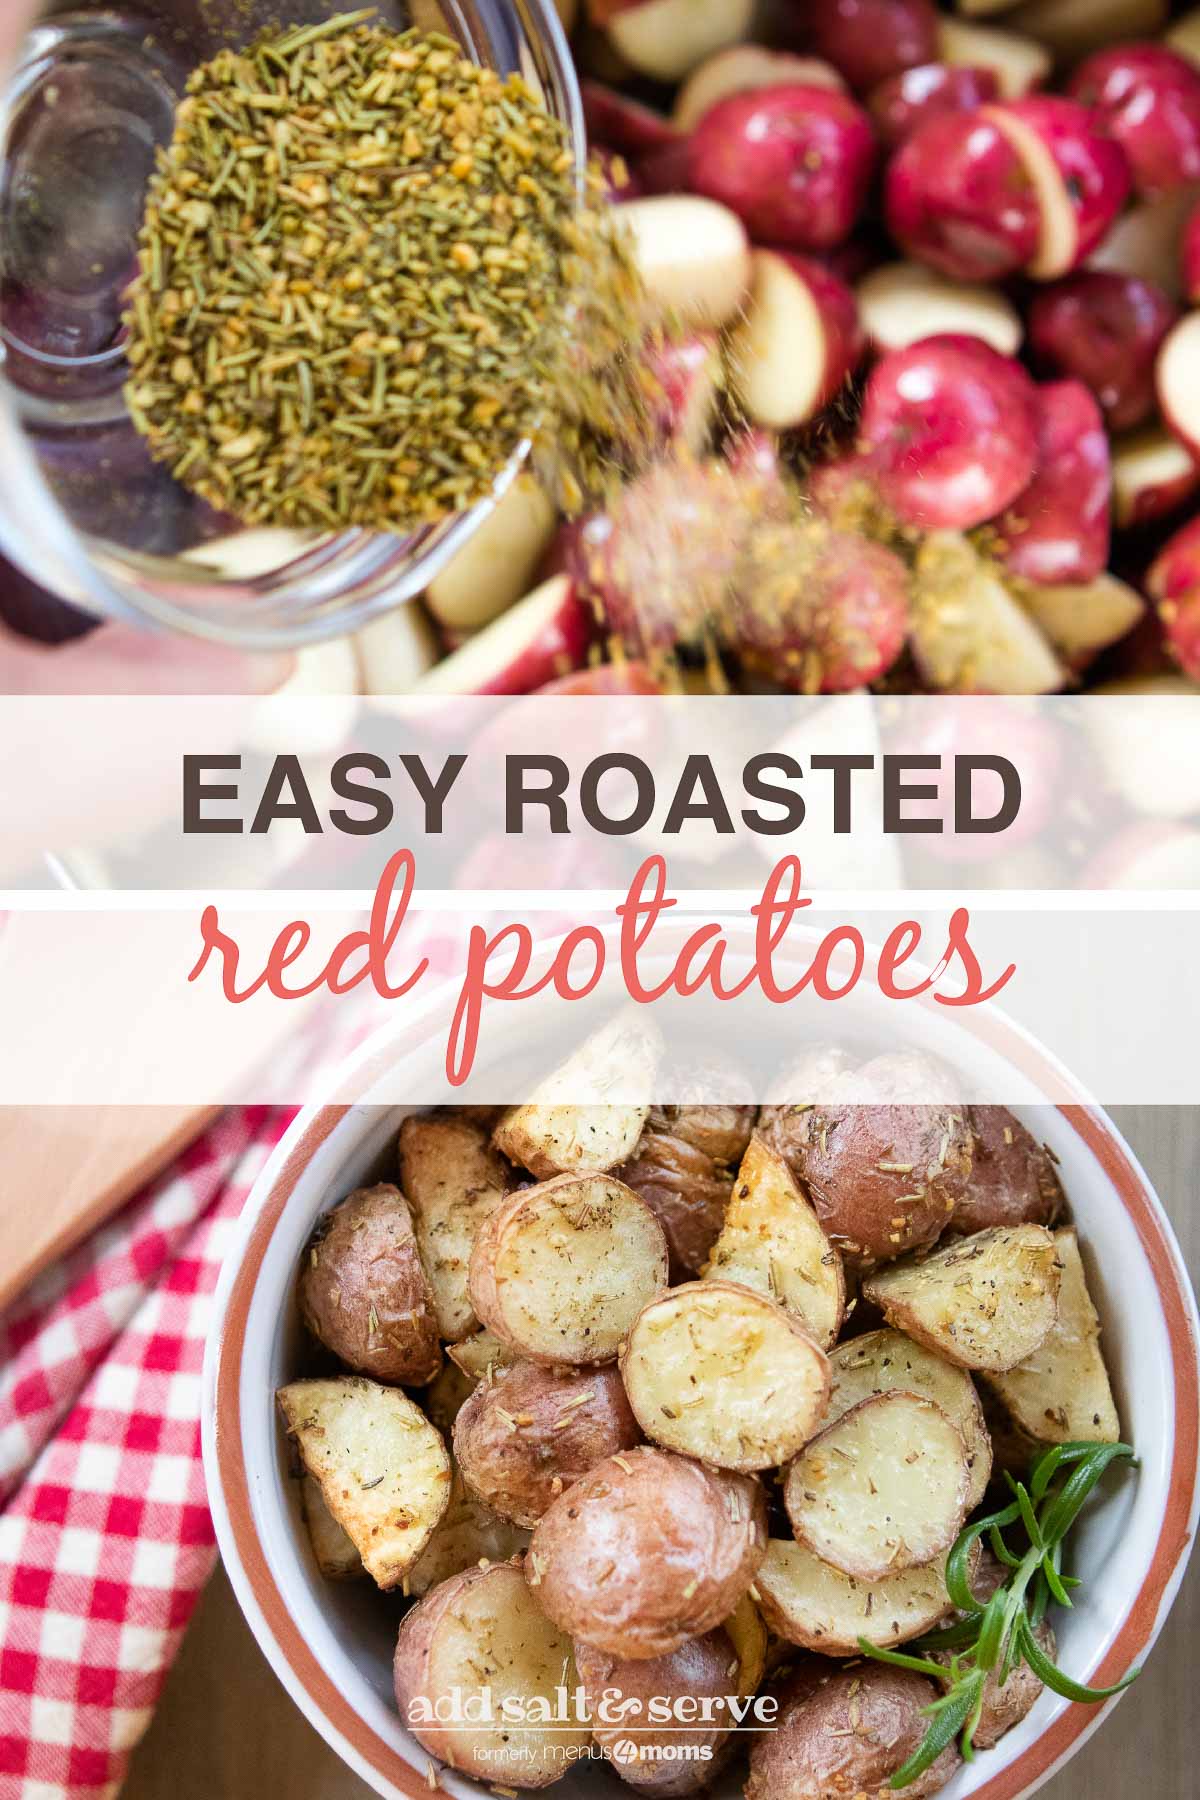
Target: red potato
(614, 118)
(609, 678)
(1070, 28)
(667, 38)
(869, 40)
(1147, 97)
(498, 563)
(1174, 583)
(819, 610)
(1105, 329)
(546, 634)
(740, 70)
(1082, 179)
(1189, 257)
(846, 1732)
(970, 634)
(693, 255)
(1145, 241)
(1153, 475)
(688, 377)
(797, 343)
(623, 1695)
(1020, 64)
(929, 91)
(955, 426)
(666, 170)
(794, 163)
(395, 651)
(958, 197)
(1081, 620)
(1177, 377)
(901, 303)
(1058, 530)
(1013, 1178)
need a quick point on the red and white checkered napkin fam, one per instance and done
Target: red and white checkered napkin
(105, 1537)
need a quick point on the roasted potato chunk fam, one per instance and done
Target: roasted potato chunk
(1013, 1178)
(479, 1353)
(453, 1180)
(664, 1758)
(530, 1432)
(719, 1372)
(647, 1551)
(814, 1605)
(552, 1134)
(847, 1732)
(1061, 1392)
(335, 1555)
(685, 1190)
(469, 1534)
(561, 1270)
(985, 1302)
(381, 1466)
(364, 1293)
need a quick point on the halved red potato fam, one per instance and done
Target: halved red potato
(1177, 376)
(900, 303)
(1081, 179)
(797, 343)
(880, 1361)
(1081, 620)
(498, 563)
(334, 1551)
(666, 38)
(395, 651)
(716, 1371)
(552, 1133)
(1013, 1177)
(847, 1732)
(480, 1355)
(883, 1488)
(629, 1698)
(810, 1603)
(484, 1629)
(1062, 1392)
(544, 635)
(1153, 475)
(741, 68)
(561, 1271)
(693, 255)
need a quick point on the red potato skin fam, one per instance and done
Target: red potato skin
(845, 1732)
(684, 1169)
(645, 1553)
(845, 344)
(793, 162)
(1013, 1180)
(666, 170)
(686, 373)
(624, 124)
(955, 425)
(821, 611)
(1174, 583)
(1095, 169)
(1105, 329)
(1190, 256)
(699, 1669)
(1059, 529)
(958, 197)
(566, 1421)
(903, 103)
(870, 40)
(1147, 98)
(363, 1292)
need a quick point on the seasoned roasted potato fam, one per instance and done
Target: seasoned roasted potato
(719, 1131)
(884, 1174)
(381, 1466)
(647, 1551)
(883, 1488)
(846, 1732)
(879, 1361)
(811, 1604)
(444, 1398)
(985, 1302)
(751, 1640)
(530, 1432)
(554, 1135)
(772, 1241)
(685, 1190)
(716, 1371)
(561, 1270)
(1062, 1391)
(482, 1351)
(469, 1534)
(484, 1629)
(452, 1180)
(363, 1291)
(336, 1557)
(1013, 1178)
(664, 1758)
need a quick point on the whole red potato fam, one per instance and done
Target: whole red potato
(868, 40)
(1146, 97)
(1057, 532)
(1081, 177)
(958, 197)
(793, 162)
(1104, 329)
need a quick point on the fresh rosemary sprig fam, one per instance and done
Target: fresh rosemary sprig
(999, 1633)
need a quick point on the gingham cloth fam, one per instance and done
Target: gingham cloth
(105, 1536)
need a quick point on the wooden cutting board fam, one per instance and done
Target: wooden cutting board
(65, 1169)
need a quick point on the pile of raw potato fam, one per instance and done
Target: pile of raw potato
(944, 264)
(721, 1363)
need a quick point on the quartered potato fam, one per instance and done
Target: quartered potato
(561, 1270)
(772, 1241)
(453, 1180)
(985, 1302)
(484, 1629)
(846, 1732)
(703, 1671)
(1061, 1392)
(719, 1372)
(469, 1534)
(647, 1551)
(884, 1488)
(1013, 1178)
(816, 1606)
(553, 1134)
(381, 1466)
(364, 1293)
(336, 1556)
(880, 1361)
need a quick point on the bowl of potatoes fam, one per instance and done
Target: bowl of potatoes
(835, 1447)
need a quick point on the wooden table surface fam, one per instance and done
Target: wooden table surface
(225, 1729)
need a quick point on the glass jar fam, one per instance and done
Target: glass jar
(84, 511)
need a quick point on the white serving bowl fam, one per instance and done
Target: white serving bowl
(331, 1646)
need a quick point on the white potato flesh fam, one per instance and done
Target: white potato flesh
(1062, 1392)
(562, 1128)
(335, 1554)
(1058, 233)
(453, 1180)
(883, 1360)
(743, 69)
(383, 1469)
(667, 38)
(1071, 28)
(562, 1270)
(969, 634)
(1177, 375)
(395, 652)
(1148, 752)
(778, 351)
(479, 1354)
(1145, 239)
(469, 1534)
(884, 1488)
(903, 302)
(985, 1302)
(773, 1241)
(809, 1603)
(498, 565)
(693, 256)
(716, 1371)
(484, 1629)
(1082, 619)
(1018, 63)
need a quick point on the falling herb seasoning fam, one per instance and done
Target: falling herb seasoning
(364, 278)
